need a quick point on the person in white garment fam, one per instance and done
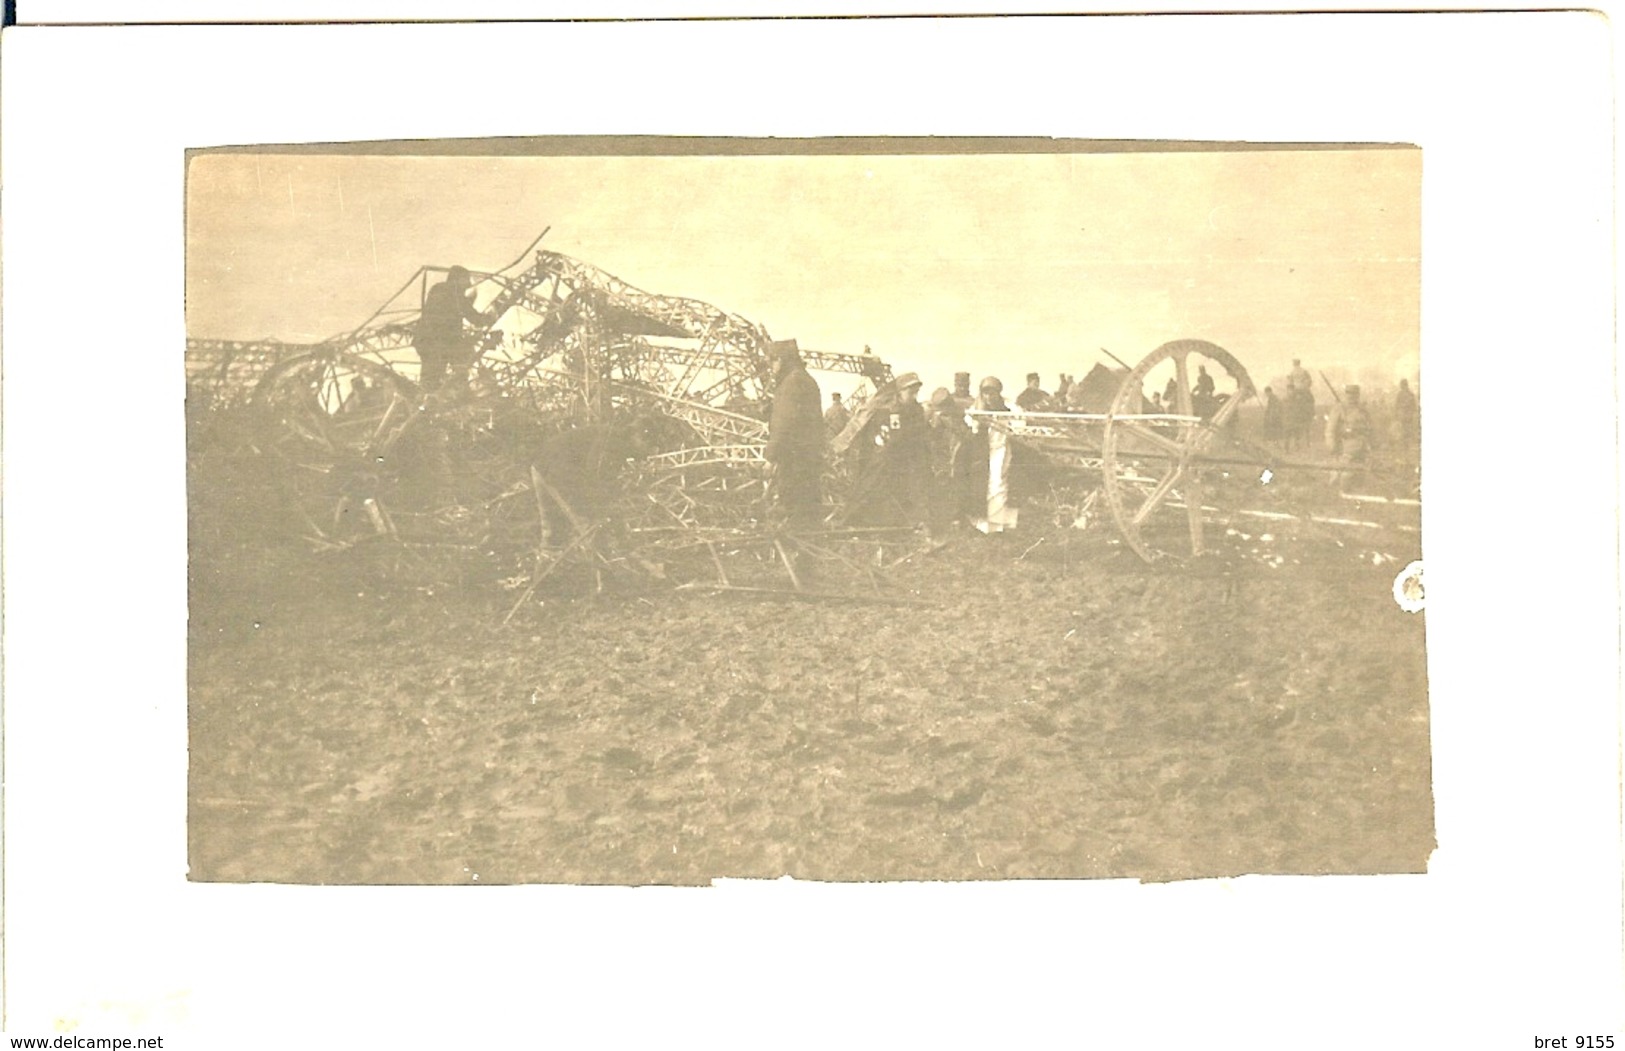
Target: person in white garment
(998, 515)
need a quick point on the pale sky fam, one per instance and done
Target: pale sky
(992, 263)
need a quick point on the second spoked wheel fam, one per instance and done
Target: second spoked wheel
(366, 462)
(1166, 467)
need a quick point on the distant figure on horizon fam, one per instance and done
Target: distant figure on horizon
(1405, 413)
(1033, 398)
(1299, 378)
(1272, 416)
(836, 416)
(1203, 401)
(441, 345)
(1299, 411)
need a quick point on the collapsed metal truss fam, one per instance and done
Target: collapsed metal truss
(368, 458)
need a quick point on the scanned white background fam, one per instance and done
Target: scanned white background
(1514, 933)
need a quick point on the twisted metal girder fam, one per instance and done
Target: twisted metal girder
(567, 342)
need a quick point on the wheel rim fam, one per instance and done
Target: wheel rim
(332, 426)
(1153, 470)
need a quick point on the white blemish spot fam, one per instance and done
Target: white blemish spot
(1408, 591)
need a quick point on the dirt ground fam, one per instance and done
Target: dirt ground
(1052, 709)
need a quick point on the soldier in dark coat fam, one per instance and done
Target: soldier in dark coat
(1034, 398)
(1272, 416)
(907, 443)
(1405, 413)
(795, 443)
(439, 341)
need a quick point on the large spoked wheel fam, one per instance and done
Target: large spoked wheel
(1156, 464)
(332, 426)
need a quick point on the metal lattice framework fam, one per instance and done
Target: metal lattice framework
(553, 437)
(591, 401)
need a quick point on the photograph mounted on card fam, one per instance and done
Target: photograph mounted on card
(656, 510)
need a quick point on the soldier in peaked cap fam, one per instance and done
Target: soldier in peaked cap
(1349, 432)
(795, 438)
(836, 416)
(894, 458)
(1034, 398)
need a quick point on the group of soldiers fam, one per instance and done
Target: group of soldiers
(928, 465)
(1351, 434)
(934, 464)
(943, 462)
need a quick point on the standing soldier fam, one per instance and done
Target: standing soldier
(1405, 414)
(1299, 378)
(1033, 398)
(795, 443)
(908, 451)
(1272, 416)
(946, 421)
(439, 341)
(1062, 389)
(1403, 429)
(1203, 400)
(836, 416)
(894, 470)
(1348, 432)
(1300, 406)
(963, 398)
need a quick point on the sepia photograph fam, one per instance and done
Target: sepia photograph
(651, 511)
(854, 531)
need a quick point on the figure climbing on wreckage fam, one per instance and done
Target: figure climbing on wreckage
(442, 347)
(795, 442)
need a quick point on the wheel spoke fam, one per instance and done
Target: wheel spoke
(1193, 513)
(1144, 515)
(1159, 494)
(1161, 441)
(308, 435)
(1227, 410)
(1183, 393)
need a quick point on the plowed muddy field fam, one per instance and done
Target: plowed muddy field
(1041, 706)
